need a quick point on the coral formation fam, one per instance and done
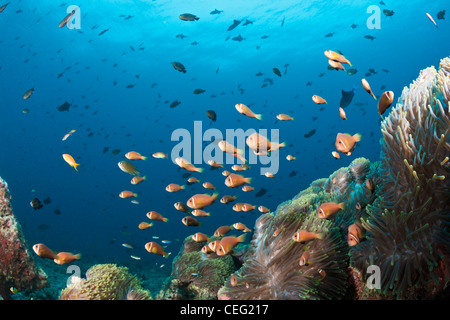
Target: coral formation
(17, 267)
(105, 282)
(401, 202)
(196, 275)
(272, 269)
(408, 224)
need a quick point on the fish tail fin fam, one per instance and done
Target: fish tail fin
(78, 256)
(283, 144)
(258, 116)
(183, 187)
(215, 195)
(248, 180)
(144, 158)
(165, 219)
(200, 170)
(342, 205)
(241, 238)
(144, 178)
(357, 137)
(321, 235)
(75, 165)
(135, 195)
(166, 255)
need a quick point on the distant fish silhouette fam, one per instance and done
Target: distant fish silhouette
(388, 13)
(261, 192)
(347, 97)
(103, 32)
(247, 22)
(64, 107)
(234, 25)
(328, 35)
(238, 38)
(369, 37)
(181, 36)
(282, 22)
(215, 11)
(310, 133)
(441, 15)
(354, 26)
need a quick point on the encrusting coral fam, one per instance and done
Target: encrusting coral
(17, 267)
(196, 275)
(105, 282)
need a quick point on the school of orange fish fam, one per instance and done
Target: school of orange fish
(195, 205)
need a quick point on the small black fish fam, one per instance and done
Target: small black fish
(261, 192)
(179, 66)
(115, 152)
(352, 71)
(174, 104)
(370, 37)
(441, 15)
(181, 36)
(247, 22)
(282, 22)
(234, 25)
(57, 211)
(239, 38)
(388, 13)
(103, 32)
(292, 174)
(130, 86)
(347, 97)
(64, 107)
(354, 26)
(215, 11)
(199, 91)
(47, 200)
(328, 35)
(276, 71)
(36, 204)
(310, 133)
(212, 115)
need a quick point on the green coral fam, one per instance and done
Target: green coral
(105, 282)
(196, 275)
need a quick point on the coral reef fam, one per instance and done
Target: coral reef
(17, 267)
(105, 282)
(196, 275)
(408, 224)
(401, 203)
(272, 268)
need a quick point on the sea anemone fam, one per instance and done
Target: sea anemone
(272, 269)
(105, 282)
(408, 223)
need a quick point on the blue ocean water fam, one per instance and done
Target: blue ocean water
(116, 73)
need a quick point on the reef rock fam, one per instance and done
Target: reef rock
(196, 275)
(17, 267)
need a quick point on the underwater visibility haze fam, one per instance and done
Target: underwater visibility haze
(88, 87)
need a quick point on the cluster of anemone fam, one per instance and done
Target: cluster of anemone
(196, 275)
(408, 223)
(105, 282)
(272, 269)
